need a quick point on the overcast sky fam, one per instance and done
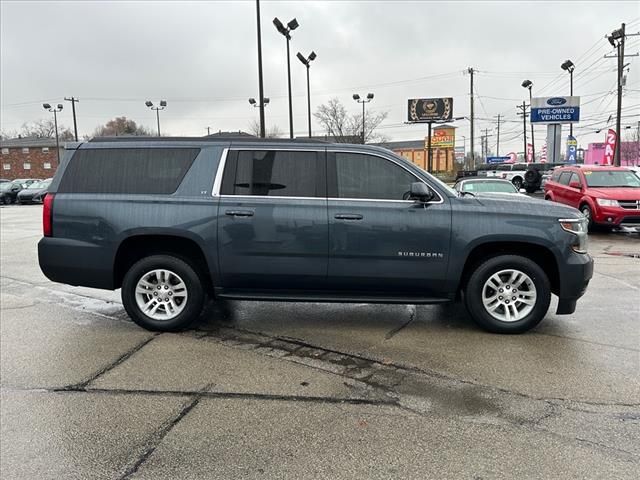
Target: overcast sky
(202, 58)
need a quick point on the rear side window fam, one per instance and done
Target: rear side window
(273, 173)
(127, 170)
(564, 178)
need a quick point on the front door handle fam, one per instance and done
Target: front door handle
(348, 216)
(239, 213)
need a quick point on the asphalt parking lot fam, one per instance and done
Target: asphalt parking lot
(262, 390)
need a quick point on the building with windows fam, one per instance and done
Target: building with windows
(28, 157)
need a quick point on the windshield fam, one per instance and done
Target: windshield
(611, 178)
(40, 184)
(489, 187)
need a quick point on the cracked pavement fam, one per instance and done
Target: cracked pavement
(280, 390)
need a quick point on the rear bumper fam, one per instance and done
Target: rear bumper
(76, 263)
(575, 275)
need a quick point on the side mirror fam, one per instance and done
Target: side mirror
(574, 184)
(421, 192)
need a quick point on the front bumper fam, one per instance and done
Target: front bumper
(575, 275)
(616, 216)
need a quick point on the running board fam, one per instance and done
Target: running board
(325, 297)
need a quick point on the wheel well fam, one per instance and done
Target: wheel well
(540, 255)
(135, 248)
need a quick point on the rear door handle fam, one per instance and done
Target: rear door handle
(239, 213)
(348, 216)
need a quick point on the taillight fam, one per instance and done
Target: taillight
(47, 215)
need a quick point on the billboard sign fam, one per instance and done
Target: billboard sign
(572, 150)
(555, 110)
(424, 110)
(442, 138)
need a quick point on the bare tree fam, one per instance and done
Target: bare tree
(273, 131)
(121, 126)
(45, 128)
(345, 128)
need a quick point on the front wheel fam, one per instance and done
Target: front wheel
(162, 293)
(508, 294)
(586, 211)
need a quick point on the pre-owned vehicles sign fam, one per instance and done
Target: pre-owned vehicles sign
(555, 110)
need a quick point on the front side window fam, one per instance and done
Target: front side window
(575, 178)
(359, 175)
(272, 173)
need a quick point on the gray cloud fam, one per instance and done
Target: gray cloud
(201, 58)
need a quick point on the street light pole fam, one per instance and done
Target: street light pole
(357, 98)
(55, 111)
(529, 84)
(163, 104)
(307, 63)
(569, 67)
(260, 83)
(286, 32)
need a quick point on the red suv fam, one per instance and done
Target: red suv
(607, 196)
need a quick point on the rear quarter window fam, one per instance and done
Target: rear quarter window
(127, 170)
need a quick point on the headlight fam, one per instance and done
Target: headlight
(579, 228)
(605, 202)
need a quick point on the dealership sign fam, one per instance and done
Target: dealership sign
(424, 110)
(498, 159)
(610, 147)
(555, 110)
(572, 150)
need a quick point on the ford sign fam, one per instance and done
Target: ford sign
(556, 101)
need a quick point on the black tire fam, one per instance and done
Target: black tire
(188, 274)
(531, 189)
(587, 212)
(517, 182)
(476, 283)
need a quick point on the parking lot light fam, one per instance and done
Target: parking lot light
(55, 111)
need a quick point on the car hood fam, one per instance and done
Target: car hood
(618, 193)
(510, 203)
(31, 192)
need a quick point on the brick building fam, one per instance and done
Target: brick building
(28, 157)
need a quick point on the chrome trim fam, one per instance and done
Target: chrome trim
(324, 199)
(217, 182)
(218, 179)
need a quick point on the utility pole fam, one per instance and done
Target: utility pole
(73, 101)
(498, 140)
(486, 142)
(523, 108)
(208, 131)
(470, 71)
(619, 35)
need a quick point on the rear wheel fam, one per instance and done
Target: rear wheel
(162, 293)
(517, 182)
(508, 294)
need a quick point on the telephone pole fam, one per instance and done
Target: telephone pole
(73, 101)
(498, 139)
(470, 71)
(617, 39)
(523, 109)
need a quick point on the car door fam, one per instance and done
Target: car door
(562, 187)
(378, 241)
(272, 220)
(573, 195)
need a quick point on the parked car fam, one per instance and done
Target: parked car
(34, 193)
(25, 181)
(4, 180)
(171, 220)
(606, 196)
(480, 186)
(9, 191)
